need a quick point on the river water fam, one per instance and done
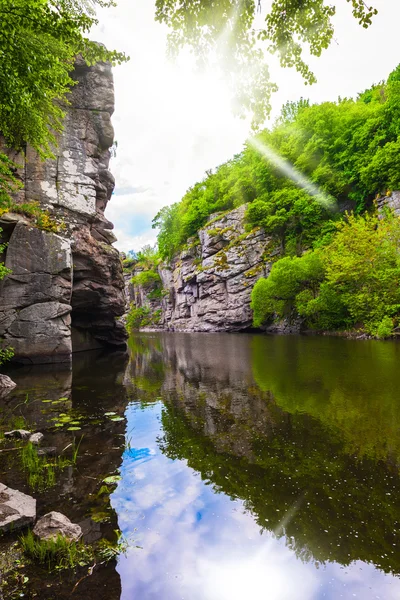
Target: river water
(251, 467)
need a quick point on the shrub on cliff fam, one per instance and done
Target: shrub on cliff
(348, 150)
(143, 316)
(354, 281)
(149, 280)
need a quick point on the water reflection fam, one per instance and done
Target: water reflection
(94, 387)
(260, 467)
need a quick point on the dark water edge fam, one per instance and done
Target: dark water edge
(251, 466)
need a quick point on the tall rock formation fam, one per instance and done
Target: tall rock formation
(66, 289)
(207, 286)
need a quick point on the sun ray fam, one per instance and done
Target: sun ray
(286, 168)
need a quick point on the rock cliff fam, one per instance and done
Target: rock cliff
(207, 287)
(66, 289)
(210, 282)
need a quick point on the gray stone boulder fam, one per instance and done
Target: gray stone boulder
(6, 385)
(16, 509)
(35, 298)
(36, 438)
(53, 524)
(21, 434)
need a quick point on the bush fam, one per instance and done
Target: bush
(354, 281)
(56, 553)
(147, 279)
(384, 329)
(139, 317)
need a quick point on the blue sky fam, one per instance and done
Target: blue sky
(172, 124)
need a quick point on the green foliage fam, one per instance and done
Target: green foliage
(384, 329)
(57, 552)
(39, 40)
(147, 279)
(225, 30)
(9, 183)
(148, 257)
(291, 215)
(6, 354)
(128, 263)
(352, 282)
(143, 316)
(41, 471)
(288, 279)
(349, 149)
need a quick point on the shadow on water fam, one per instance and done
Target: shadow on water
(94, 387)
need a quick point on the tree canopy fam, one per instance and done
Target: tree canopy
(39, 40)
(229, 32)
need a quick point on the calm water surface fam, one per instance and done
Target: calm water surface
(252, 467)
(261, 467)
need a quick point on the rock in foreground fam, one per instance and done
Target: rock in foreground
(16, 509)
(19, 434)
(6, 385)
(53, 524)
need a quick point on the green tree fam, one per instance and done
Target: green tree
(228, 29)
(276, 295)
(363, 266)
(354, 281)
(39, 40)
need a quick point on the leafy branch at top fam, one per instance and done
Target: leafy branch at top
(226, 29)
(39, 40)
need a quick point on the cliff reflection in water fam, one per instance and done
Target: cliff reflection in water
(304, 430)
(94, 387)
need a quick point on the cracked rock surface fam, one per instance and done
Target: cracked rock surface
(16, 509)
(208, 285)
(53, 524)
(66, 289)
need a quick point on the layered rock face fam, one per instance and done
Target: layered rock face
(66, 289)
(210, 282)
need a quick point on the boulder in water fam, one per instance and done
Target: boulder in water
(16, 509)
(53, 524)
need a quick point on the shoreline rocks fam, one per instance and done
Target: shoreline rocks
(16, 509)
(54, 524)
(6, 385)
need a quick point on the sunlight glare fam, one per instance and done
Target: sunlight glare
(286, 168)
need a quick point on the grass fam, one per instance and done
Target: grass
(56, 553)
(60, 553)
(41, 470)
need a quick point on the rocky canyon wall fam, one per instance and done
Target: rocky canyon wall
(66, 290)
(207, 287)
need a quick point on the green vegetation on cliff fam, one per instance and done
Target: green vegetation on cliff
(353, 281)
(144, 310)
(349, 149)
(337, 269)
(39, 41)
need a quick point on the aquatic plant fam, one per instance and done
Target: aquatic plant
(56, 553)
(42, 470)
